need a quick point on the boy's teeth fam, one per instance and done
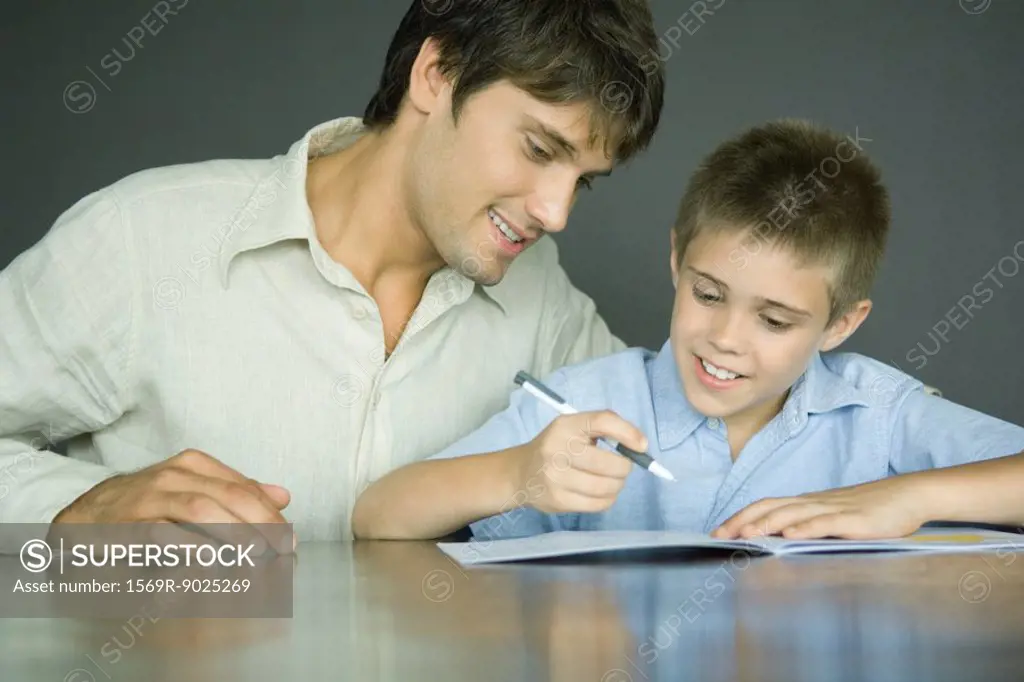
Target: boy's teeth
(505, 230)
(718, 372)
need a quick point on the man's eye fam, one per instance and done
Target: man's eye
(536, 152)
(585, 183)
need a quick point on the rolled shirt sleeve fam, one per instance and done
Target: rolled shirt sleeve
(65, 356)
(933, 432)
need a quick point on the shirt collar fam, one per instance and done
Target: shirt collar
(821, 390)
(818, 390)
(674, 417)
(505, 292)
(277, 210)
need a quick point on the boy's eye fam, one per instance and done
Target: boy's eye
(776, 325)
(584, 182)
(705, 296)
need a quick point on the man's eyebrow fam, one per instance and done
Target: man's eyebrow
(558, 140)
(554, 137)
(800, 312)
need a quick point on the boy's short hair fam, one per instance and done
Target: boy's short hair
(797, 186)
(559, 51)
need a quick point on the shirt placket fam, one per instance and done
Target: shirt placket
(443, 291)
(756, 452)
(715, 458)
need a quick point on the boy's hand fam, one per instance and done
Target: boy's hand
(891, 507)
(563, 470)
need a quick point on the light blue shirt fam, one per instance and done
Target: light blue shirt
(848, 420)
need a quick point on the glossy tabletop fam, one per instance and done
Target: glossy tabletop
(404, 611)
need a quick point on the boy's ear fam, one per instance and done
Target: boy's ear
(846, 325)
(427, 85)
(673, 261)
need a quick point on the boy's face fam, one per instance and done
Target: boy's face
(485, 188)
(743, 334)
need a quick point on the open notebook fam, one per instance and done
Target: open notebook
(569, 543)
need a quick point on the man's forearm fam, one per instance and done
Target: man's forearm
(984, 492)
(433, 498)
(35, 485)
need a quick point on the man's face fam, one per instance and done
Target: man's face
(487, 187)
(743, 335)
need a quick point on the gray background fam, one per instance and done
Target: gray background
(938, 89)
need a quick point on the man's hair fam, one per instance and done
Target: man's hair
(793, 185)
(559, 51)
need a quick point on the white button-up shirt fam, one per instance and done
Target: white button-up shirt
(192, 306)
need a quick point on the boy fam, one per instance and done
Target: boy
(772, 260)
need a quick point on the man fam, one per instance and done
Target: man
(219, 341)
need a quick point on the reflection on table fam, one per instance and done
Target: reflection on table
(403, 611)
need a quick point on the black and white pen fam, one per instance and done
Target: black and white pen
(556, 402)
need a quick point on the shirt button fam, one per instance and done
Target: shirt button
(713, 424)
(359, 313)
(376, 399)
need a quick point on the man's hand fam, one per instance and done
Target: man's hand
(888, 508)
(190, 487)
(563, 470)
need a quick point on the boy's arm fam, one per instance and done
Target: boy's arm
(541, 470)
(931, 432)
(981, 492)
(435, 497)
(471, 480)
(970, 465)
(950, 463)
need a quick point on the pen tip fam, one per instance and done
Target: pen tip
(662, 472)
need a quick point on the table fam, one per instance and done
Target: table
(403, 611)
